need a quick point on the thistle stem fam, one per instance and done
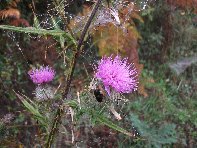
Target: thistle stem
(60, 110)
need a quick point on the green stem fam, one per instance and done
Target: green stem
(60, 110)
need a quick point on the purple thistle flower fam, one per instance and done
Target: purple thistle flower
(42, 75)
(117, 74)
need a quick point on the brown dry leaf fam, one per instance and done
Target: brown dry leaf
(109, 39)
(141, 87)
(14, 3)
(142, 90)
(130, 12)
(10, 13)
(126, 10)
(137, 16)
(11, 142)
(19, 22)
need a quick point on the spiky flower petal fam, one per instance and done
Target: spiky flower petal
(42, 75)
(117, 74)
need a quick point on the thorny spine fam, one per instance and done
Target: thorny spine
(60, 110)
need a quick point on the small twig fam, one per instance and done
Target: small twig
(71, 111)
(180, 83)
(78, 99)
(60, 110)
(115, 113)
(23, 126)
(73, 136)
(57, 88)
(86, 71)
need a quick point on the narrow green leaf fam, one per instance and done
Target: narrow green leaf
(36, 22)
(72, 104)
(33, 109)
(43, 32)
(110, 124)
(62, 41)
(55, 24)
(33, 30)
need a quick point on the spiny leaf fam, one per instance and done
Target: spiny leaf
(110, 124)
(31, 107)
(33, 30)
(43, 32)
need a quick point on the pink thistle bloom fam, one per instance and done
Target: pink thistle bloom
(42, 75)
(117, 74)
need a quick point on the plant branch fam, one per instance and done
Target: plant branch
(60, 110)
(80, 43)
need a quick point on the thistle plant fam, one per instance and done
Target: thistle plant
(41, 77)
(114, 75)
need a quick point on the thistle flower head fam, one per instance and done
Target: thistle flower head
(42, 75)
(117, 74)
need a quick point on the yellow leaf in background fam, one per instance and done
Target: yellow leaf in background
(10, 142)
(112, 39)
(20, 146)
(13, 3)
(10, 13)
(142, 91)
(134, 32)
